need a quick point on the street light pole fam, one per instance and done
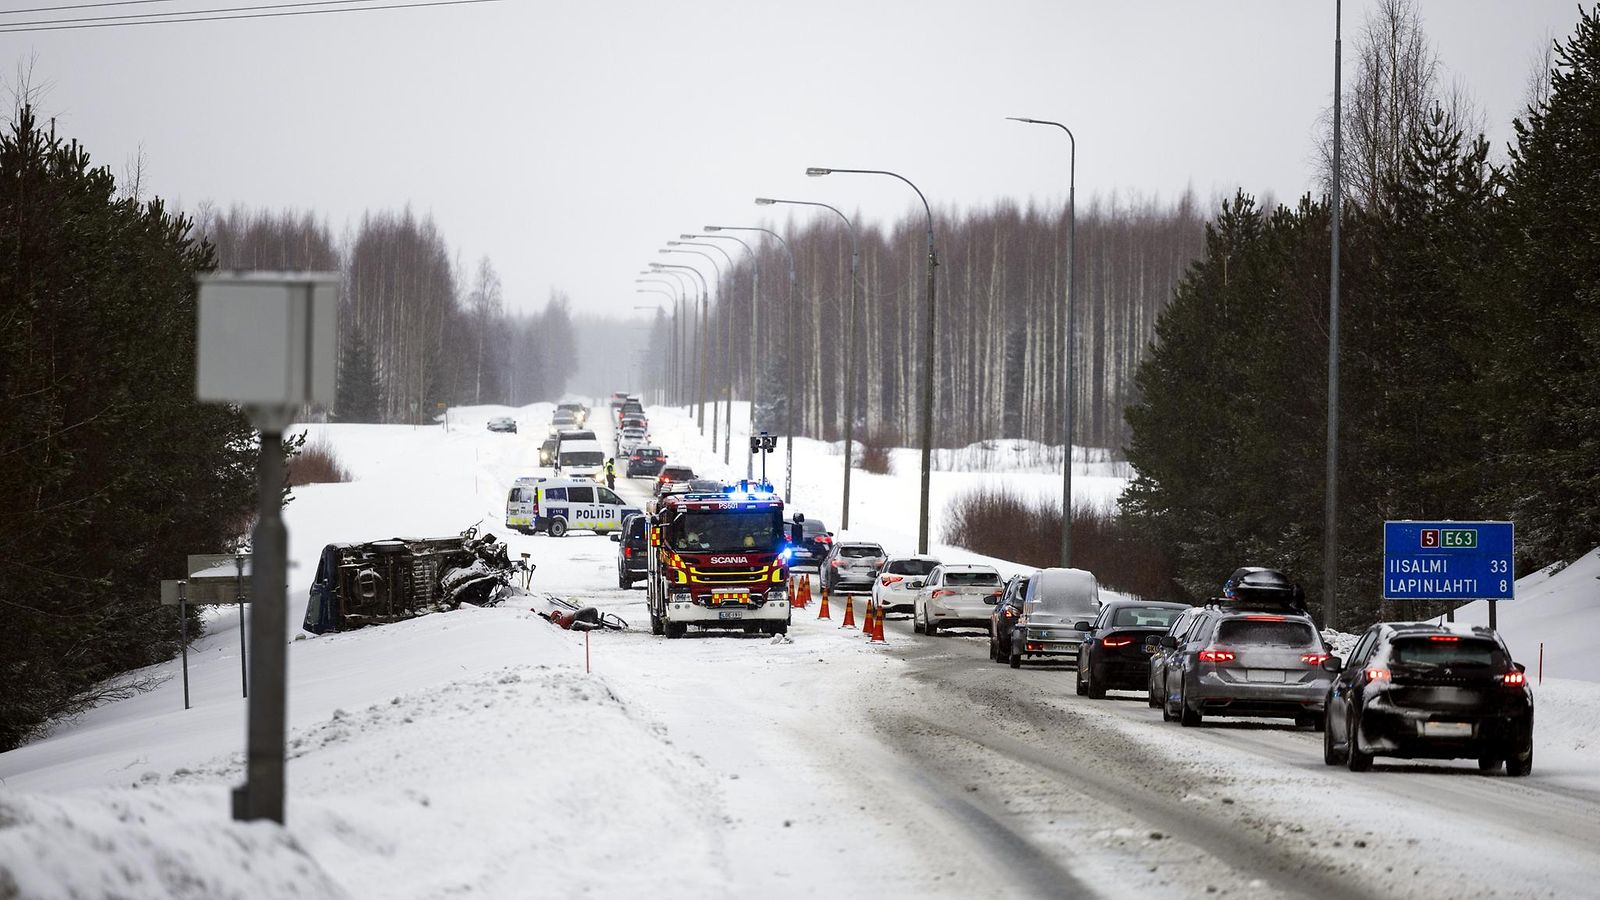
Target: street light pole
(1068, 382)
(851, 352)
(672, 247)
(788, 412)
(1330, 524)
(726, 330)
(700, 346)
(682, 332)
(928, 350)
(755, 344)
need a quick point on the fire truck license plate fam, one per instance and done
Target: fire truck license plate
(730, 614)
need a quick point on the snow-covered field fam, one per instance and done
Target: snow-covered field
(471, 753)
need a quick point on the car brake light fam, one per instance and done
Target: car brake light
(1313, 659)
(1216, 656)
(627, 552)
(892, 579)
(995, 593)
(1376, 674)
(1514, 678)
(943, 592)
(824, 539)
(1443, 637)
(1116, 641)
(838, 564)
(1263, 618)
(1035, 647)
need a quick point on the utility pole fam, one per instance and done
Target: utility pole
(1330, 525)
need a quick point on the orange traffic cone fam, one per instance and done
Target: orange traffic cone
(877, 629)
(803, 591)
(871, 616)
(849, 612)
(822, 611)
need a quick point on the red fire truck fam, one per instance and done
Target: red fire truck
(716, 561)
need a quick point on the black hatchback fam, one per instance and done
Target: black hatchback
(1417, 690)
(1117, 648)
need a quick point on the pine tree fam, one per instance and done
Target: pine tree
(1550, 358)
(112, 470)
(360, 394)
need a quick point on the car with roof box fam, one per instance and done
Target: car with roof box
(1253, 652)
(1423, 690)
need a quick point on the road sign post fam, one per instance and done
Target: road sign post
(267, 342)
(1451, 561)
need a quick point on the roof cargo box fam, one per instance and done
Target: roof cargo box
(1255, 586)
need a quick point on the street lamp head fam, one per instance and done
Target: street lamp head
(710, 227)
(768, 201)
(671, 244)
(688, 237)
(1023, 119)
(813, 171)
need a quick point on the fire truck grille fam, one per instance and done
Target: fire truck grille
(727, 576)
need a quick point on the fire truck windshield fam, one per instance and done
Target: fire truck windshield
(755, 531)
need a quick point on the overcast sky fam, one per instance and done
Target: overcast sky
(568, 140)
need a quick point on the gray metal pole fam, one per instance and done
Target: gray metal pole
(244, 653)
(183, 636)
(1330, 525)
(261, 796)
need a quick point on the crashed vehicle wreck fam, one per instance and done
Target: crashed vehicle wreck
(379, 582)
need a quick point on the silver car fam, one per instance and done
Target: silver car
(1239, 662)
(955, 596)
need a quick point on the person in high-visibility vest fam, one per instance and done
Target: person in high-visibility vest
(611, 473)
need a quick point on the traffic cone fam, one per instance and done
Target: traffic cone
(877, 629)
(802, 591)
(849, 612)
(866, 623)
(822, 611)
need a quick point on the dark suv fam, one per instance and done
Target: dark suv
(633, 543)
(646, 460)
(1005, 616)
(809, 542)
(1425, 691)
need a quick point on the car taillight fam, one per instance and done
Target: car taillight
(1009, 613)
(1123, 642)
(995, 593)
(1514, 678)
(627, 553)
(636, 458)
(892, 579)
(1376, 674)
(1313, 659)
(1263, 618)
(1216, 656)
(943, 592)
(838, 564)
(824, 539)
(1443, 637)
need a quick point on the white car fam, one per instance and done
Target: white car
(892, 592)
(955, 596)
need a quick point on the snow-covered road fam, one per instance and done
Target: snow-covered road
(470, 752)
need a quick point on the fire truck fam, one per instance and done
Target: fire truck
(716, 561)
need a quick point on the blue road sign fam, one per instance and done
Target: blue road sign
(1448, 561)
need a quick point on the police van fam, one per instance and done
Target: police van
(558, 505)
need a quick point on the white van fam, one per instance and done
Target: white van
(558, 505)
(580, 459)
